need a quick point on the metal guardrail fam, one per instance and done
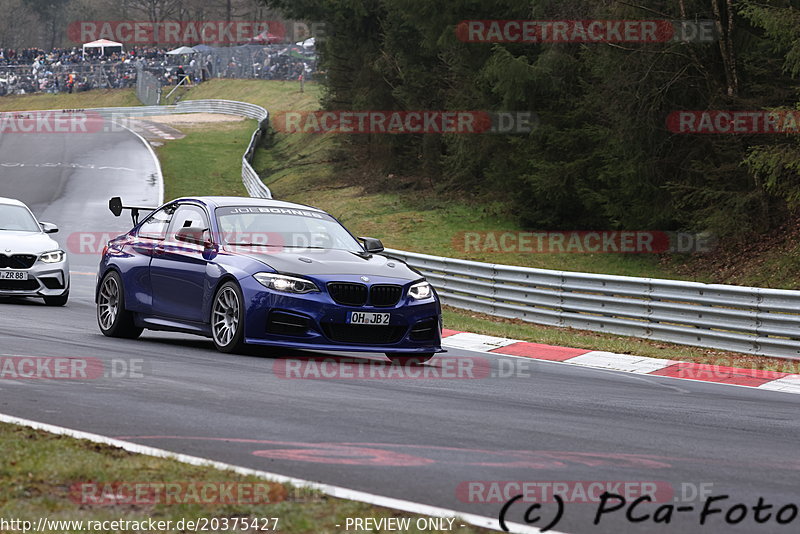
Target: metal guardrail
(750, 320)
(743, 319)
(250, 178)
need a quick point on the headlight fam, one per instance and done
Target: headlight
(56, 256)
(289, 284)
(420, 291)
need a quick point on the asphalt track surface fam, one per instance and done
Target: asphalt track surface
(413, 439)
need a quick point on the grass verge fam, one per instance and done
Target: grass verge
(208, 161)
(99, 98)
(42, 475)
(276, 96)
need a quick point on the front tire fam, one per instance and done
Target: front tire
(60, 300)
(112, 317)
(227, 319)
(410, 359)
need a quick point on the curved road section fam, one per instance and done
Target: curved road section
(469, 431)
(67, 178)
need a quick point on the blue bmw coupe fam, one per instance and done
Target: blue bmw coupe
(246, 271)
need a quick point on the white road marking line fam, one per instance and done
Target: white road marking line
(67, 165)
(333, 491)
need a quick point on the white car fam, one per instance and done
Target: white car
(31, 263)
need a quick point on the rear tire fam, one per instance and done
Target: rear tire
(410, 359)
(112, 317)
(227, 319)
(60, 300)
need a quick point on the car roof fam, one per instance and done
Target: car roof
(225, 202)
(12, 202)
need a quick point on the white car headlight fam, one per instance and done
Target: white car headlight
(288, 284)
(54, 256)
(420, 291)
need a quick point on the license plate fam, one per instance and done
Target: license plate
(13, 275)
(369, 318)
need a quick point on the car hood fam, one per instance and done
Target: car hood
(25, 242)
(333, 262)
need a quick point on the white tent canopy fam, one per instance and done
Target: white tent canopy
(182, 50)
(308, 43)
(102, 44)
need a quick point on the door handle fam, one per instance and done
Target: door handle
(158, 249)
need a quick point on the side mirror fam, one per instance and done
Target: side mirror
(372, 245)
(49, 228)
(194, 236)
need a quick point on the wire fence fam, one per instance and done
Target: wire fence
(148, 87)
(263, 62)
(271, 62)
(27, 79)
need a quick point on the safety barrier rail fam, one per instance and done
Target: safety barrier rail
(742, 319)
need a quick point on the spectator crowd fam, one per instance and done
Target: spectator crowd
(33, 70)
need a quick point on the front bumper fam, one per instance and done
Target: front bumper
(44, 280)
(314, 321)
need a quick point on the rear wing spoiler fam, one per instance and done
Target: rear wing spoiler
(116, 207)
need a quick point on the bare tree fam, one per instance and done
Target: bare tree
(15, 32)
(155, 10)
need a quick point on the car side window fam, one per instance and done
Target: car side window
(155, 226)
(188, 216)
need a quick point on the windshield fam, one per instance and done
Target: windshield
(284, 228)
(17, 218)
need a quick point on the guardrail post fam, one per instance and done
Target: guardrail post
(561, 289)
(648, 295)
